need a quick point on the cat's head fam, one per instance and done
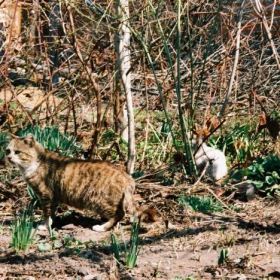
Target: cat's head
(23, 151)
(195, 139)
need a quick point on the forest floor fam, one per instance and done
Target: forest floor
(182, 244)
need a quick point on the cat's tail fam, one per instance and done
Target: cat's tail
(147, 215)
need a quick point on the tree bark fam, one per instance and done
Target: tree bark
(123, 67)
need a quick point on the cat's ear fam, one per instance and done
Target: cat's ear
(29, 139)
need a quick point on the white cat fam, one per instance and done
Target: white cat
(210, 158)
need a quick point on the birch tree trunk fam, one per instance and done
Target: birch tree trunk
(123, 67)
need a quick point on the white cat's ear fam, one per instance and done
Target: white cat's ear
(29, 139)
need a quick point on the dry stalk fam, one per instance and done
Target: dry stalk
(260, 12)
(233, 72)
(93, 81)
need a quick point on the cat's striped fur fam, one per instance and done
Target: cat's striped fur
(87, 185)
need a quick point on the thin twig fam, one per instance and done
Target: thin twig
(236, 58)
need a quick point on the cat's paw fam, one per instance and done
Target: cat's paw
(98, 228)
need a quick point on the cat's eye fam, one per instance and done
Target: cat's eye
(17, 152)
(8, 151)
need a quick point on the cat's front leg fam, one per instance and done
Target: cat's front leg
(48, 219)
(48, 210)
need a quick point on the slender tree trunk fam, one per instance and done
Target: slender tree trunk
(53, 39)
(123, 67)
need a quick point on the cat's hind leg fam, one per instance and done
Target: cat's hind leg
(47, 224)
(113, 218)
(105, 227)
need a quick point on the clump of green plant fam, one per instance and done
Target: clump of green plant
(52, 139)
(264, 173)
(23, 232)
(127, 252)
(201, 204)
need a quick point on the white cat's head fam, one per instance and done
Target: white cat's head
(23, 151)
(195, 139)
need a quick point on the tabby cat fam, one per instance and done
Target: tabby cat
(87, 185)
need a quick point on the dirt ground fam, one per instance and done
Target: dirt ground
(182, 244)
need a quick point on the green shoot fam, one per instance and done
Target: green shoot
(22, 229)
(223, 257)
(134, 247)
(127, 252)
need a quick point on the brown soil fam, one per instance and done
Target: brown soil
(181, 243)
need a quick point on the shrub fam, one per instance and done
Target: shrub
(264, 173)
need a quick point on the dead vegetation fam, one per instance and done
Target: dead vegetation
(221, 69)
